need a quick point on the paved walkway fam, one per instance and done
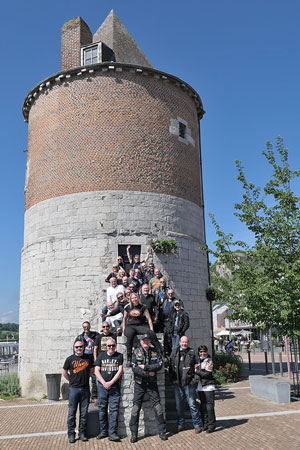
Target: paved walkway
(243, 421)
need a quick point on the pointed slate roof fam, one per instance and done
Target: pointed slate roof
(113, 33)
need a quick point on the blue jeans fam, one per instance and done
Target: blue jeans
(108, 397)
(81, 397)
(188, 392)
(175, 341)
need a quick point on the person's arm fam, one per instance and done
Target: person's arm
(108, 277)
(155, 367)
(150, 286)
(114, 312)
(115, 378)
(99, 377)
(95, 352)
(138, 369)
(186, 323)
(148, 254)
(124, 321)
(148, 319)
(207, 372)
(66, 374)
(128, 254)
(172, 370)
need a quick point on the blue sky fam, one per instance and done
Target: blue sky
(241, 57)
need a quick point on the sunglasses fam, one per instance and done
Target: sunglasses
(106, 326)
(78, 346)
(86, 328)
(112, 345)
(119, 298)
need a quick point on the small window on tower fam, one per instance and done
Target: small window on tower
(90, 55)
(182, 130)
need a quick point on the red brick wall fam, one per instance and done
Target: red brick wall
(111, 132)
(73, 34)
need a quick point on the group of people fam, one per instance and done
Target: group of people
(153, 308)
(143, 308)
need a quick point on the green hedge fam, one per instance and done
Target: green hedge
(9, 385)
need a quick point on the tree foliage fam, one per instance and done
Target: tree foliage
(261, 283)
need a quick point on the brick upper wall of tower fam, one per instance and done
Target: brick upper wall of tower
(111, 131)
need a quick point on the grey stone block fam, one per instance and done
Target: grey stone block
(273, 389)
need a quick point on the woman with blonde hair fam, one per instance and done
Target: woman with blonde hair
(113, 273)
(121, 274)
(120, 263)
(135, 316)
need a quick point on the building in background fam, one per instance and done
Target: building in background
(113, 159)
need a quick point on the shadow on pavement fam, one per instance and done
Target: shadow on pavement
(230, 423)
(223, 394)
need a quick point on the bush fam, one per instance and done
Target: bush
(9, 385)
(163, 245)
(227, 367)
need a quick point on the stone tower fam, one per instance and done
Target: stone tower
(113, 159)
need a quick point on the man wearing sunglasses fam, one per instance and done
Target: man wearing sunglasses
(90, 337)
(77, 369)
(100, 344)
(108, 371)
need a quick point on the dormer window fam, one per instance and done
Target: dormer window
(90, 55)
(96, 53)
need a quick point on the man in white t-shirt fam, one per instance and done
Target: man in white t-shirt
(114, 289)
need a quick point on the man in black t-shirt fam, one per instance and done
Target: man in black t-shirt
(108, 370)
(90, 337)
(77, 369)
(101, 339)
(148, 300)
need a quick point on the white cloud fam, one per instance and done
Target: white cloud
(9, 316)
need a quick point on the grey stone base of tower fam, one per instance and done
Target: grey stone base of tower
(147, 422)
(70, 244)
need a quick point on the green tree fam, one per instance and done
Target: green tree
(261, 283)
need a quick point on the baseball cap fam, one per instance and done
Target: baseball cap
(144, 336)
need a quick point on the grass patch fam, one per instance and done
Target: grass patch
(9, 386)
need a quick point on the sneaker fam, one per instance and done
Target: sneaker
(114, 437)
(198, 430)
(133, 438)
(83, 438)
(180, 428)
(163, 436)
(101, 436)
(72, 440)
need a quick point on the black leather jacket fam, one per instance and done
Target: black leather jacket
(187, 364)
(152, 360)
(204, 371)
(182, 325)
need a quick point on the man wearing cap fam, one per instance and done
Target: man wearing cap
(146, 361)
(179, 322)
